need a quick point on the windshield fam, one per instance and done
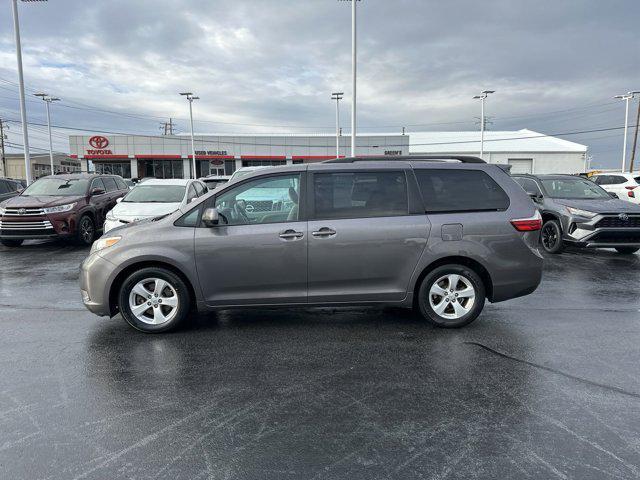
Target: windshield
(156, 194)
(573, 188)
(57, 186)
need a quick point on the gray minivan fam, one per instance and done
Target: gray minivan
(440, 234)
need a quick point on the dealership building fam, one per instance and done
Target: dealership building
(169, 156)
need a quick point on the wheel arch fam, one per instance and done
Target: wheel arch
(114, 289)
(474, 265)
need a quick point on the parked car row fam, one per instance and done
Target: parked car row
(441, 237)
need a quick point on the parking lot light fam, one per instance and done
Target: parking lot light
(191, 98)
(626, 97)
(482, 97)
(48, 99)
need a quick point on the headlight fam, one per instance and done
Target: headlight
(2, 210)
(60, 208)
(103, 243)
(111, 216)
(581, 213)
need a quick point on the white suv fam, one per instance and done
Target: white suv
(625, 185)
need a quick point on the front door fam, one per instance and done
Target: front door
(258, 253)
(363, 243)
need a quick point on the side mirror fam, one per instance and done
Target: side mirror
(536, 197)
(97, 191)
(613, 195)
(210, 217)
(118, 200)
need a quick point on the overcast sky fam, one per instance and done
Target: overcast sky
(270, 65)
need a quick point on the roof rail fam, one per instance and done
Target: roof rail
(408, 158)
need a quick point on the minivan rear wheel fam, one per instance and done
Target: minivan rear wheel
(154, 300)
(451, 296)
(7, 242)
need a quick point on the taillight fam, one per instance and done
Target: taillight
(630, 192)
(530, 224)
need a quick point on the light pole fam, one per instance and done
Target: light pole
(23, 109)
(337, 96)
(483, 96)
(48, 99)
(191, 98)
(353, 75)
(626, 97)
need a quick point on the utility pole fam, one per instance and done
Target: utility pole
(3, 164)
(337, 96)
(635, 140)
(167, 127)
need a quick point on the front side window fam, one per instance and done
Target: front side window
(110, 183)
(155, 194)
(573, 188)
(456, 190)
(57, 186)
(360, 194)
(263, 200)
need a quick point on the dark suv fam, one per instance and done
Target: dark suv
(66, 206)
(440, 236)
(578, 212)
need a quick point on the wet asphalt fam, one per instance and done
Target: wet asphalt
(546, 386)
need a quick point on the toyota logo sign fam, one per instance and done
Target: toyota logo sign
(624, 217)
(99, 142)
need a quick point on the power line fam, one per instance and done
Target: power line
(217, 142)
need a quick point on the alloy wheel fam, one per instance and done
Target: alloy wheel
(153, 301)
(86, 230)
(549, 236)
(452, 296)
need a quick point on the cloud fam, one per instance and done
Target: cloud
(266, 63)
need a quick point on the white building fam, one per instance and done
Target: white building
(169, 156)
(527, 151)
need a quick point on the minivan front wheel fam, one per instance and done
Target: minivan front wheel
(154, 300)
(451, 296)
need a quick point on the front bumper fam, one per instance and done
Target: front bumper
(60, 225)
(603, 231)
(95, 275)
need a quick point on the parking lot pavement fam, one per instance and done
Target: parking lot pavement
(545, 386)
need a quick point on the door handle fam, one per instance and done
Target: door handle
(324, 232)
(291, 235)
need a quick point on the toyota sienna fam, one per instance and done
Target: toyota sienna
(441, 235)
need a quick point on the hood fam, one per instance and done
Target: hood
(605, 205)
(132, 211)
(41, 201)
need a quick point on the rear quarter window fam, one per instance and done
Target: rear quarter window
(456, 190)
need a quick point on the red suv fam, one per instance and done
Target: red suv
(60, 206)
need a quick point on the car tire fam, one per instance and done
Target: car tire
(7, 242)
(627, 250)
(551, 237)
(438, 308)
(85, 231)
(168, 301)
